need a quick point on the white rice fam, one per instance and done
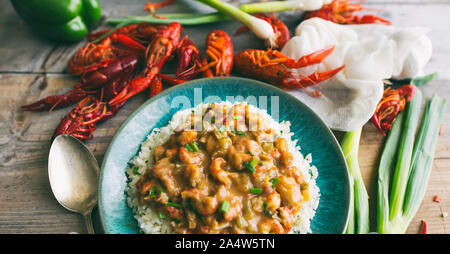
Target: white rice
(147, 217)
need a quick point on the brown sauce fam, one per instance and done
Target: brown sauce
(234, 179)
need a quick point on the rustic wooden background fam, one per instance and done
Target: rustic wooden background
(32, 68)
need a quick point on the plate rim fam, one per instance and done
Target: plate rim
(193, 83)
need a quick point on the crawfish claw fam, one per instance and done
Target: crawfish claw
(136, 86)
(313, 58)
(314, 78)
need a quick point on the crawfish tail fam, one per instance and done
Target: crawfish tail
(220, 55)
(115, 68)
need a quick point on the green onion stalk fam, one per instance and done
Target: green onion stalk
(280, 6)
(190, 19)
(359, 201)
(406, 162)
(259, 27)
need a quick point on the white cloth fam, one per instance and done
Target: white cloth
(371, 53)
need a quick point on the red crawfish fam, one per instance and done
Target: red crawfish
(341, 12)
(274, 67)
(188, 62)
(188, 59)
(218, 60)
(279, 28)
(109, 92)
(80, 122)
(90, 57)
(219, 55)
(94, 56)
(158, 51)
(126, 40)
(392, 103)
(90, 84)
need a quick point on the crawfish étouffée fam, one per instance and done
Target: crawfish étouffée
(233, 179)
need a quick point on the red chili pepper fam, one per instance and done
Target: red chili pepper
(424, 227)
(436, 198)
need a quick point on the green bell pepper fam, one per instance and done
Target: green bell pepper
(60, 20)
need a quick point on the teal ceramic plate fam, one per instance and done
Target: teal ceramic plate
(313, 136)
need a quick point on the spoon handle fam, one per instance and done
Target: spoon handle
(88, 222)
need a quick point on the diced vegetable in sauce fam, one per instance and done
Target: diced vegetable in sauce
(225, 180)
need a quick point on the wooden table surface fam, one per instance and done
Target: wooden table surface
(32, 68)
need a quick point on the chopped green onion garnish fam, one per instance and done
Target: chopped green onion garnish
(240, 133)
(154, 192)
(250, 167)
(254, 162)
(189, 148)
(235, 117)
(174, 205)
(252, 154)
(274, 181)
(213, 119)
(161, 215)
(135, 170)
(224, 207)
(266, 211)
(222, 128)
(256, 191)
(194, 146)
(262, 163)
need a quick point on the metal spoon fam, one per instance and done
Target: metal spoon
(73, 174)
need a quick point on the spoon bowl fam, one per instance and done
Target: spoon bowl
(73, 174)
